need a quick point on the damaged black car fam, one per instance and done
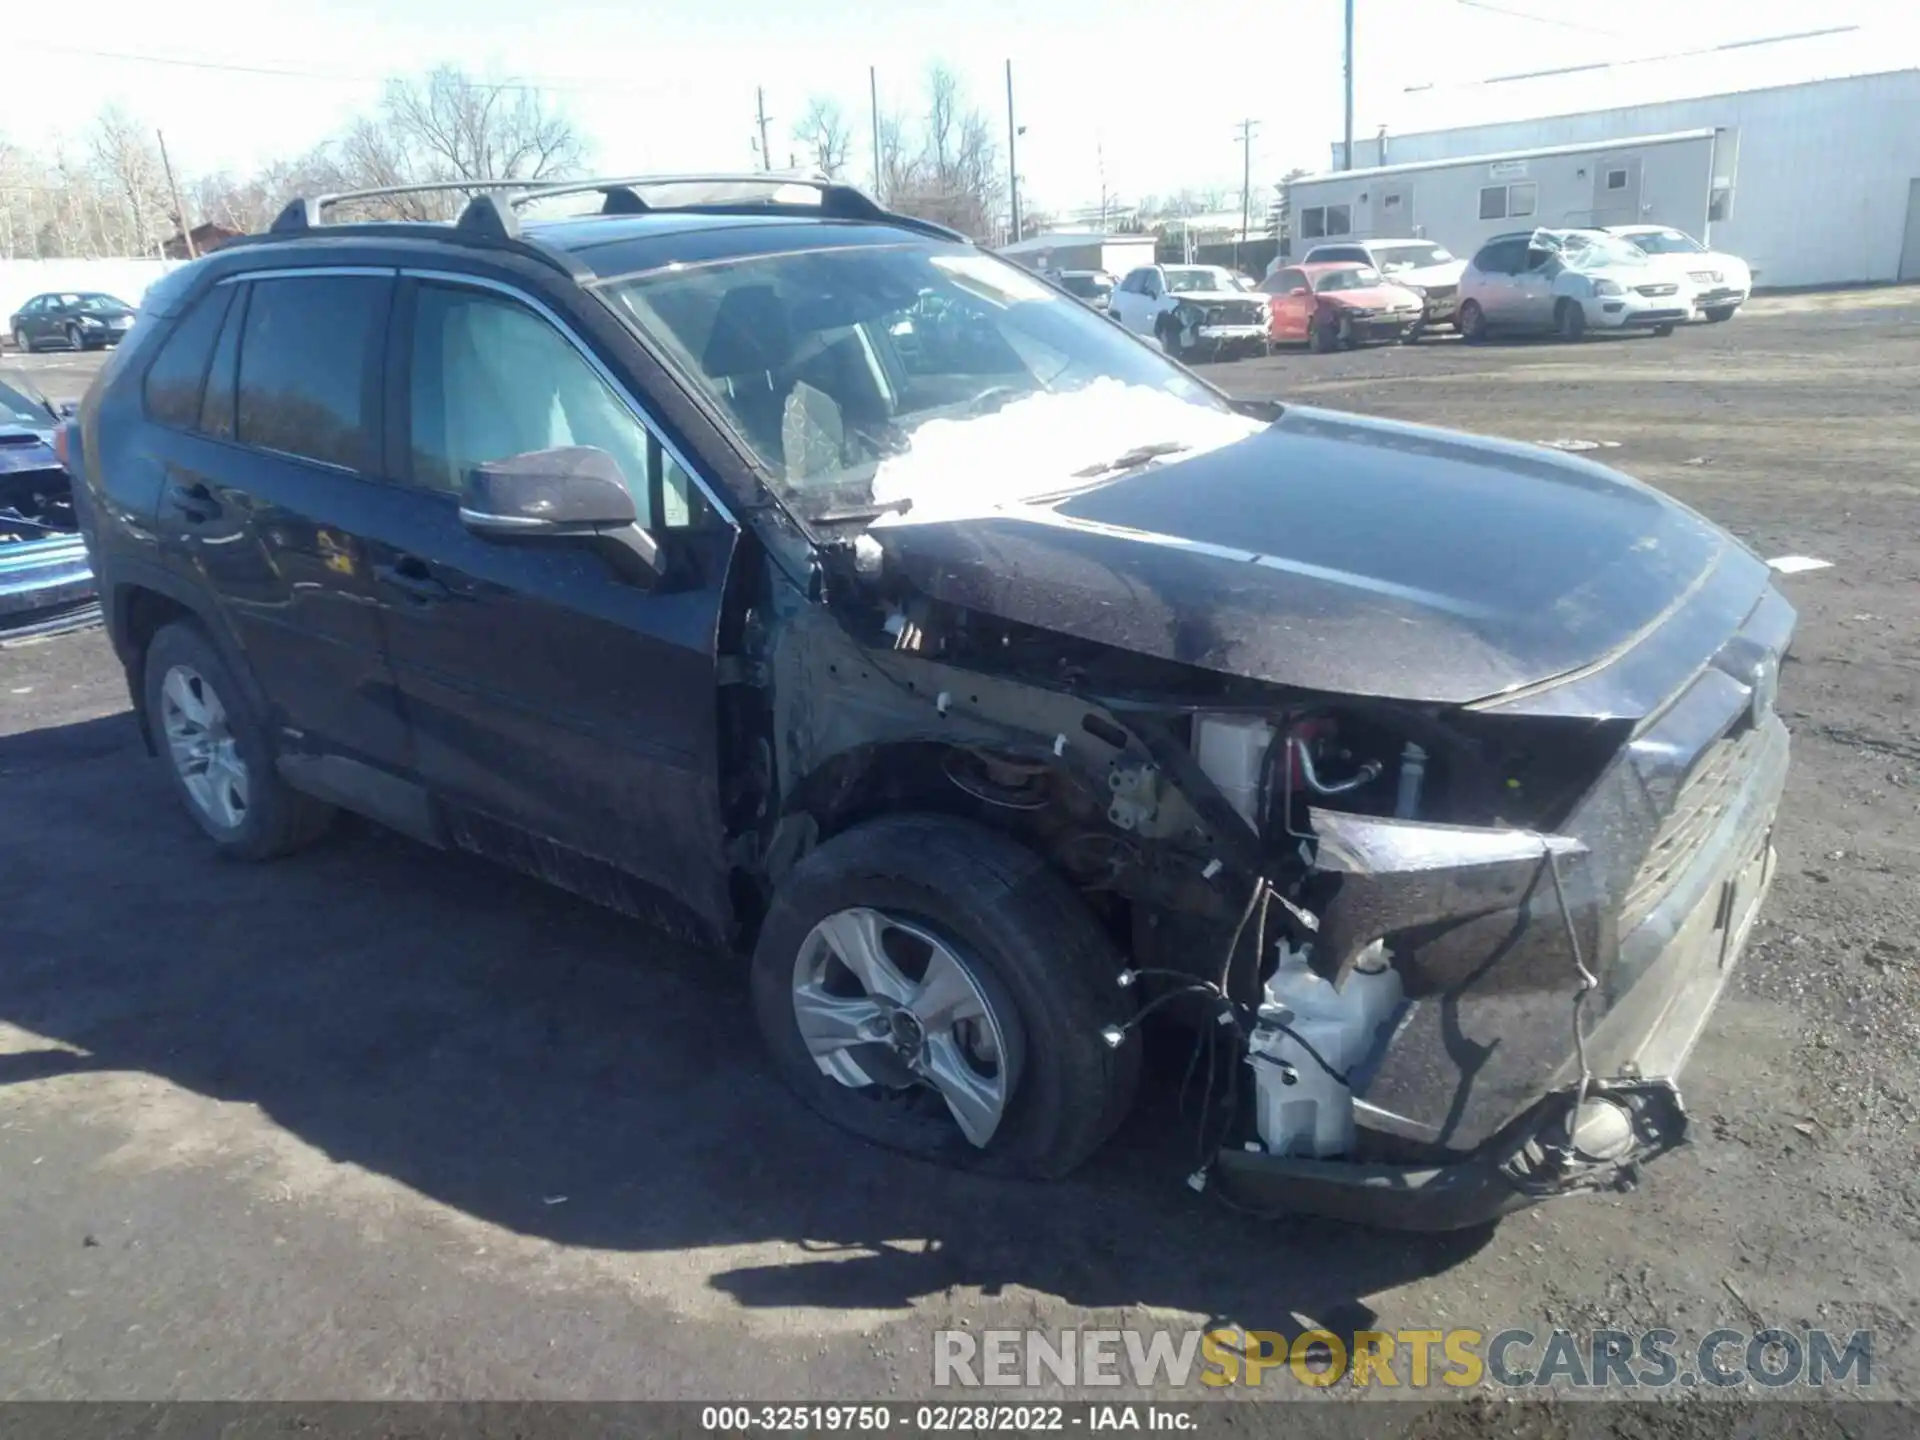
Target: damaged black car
(808, 580)
(46, 584)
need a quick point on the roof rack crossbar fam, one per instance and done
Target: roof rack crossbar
(773, 179)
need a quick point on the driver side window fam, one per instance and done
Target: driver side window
(490, 379)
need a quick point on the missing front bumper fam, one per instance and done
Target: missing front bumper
(1562, 1146)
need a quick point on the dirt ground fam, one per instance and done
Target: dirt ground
(381, 1122)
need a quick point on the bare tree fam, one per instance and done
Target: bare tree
(824, 130)
(442, 127)
(126, 160)
(467, 129)
(953, 174)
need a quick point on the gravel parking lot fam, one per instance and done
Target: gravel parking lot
(382, 1122)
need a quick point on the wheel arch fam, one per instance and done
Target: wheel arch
(137, 610)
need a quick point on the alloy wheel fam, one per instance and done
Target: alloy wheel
(203, 748)
(882, 1002)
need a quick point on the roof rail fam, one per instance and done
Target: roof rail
(834, 201)
(309, 212)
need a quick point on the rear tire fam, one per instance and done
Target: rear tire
(217, 752)
(941, 890)
(21, 343)
(1570, 321)
(76, 338)
(1472, 323)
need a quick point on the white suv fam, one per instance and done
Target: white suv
(1194, 311)
(1428, 269)
(1721, 281)
(1567, 282)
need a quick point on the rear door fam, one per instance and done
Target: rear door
(553, 703)
(266, 399)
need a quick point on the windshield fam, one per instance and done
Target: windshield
(102, 302)
(1086, 286)
(18, 408)
(1395, 258)
(919, 372)
(1588, 249)
(1666, 242)
(1361, 277)
(1185, 279)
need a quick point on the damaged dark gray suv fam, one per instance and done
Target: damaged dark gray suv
(807, 580)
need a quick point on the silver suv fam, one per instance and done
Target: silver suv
(1565, 282)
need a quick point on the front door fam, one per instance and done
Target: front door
(1291, 302)
(1393, 216)
(1616, 190)
(546, 691)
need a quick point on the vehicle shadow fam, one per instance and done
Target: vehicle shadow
(496, 1046)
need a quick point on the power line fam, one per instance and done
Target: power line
(1636, 60)
(284, 72)
(1538, 19)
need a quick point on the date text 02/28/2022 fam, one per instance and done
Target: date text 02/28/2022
(943, 1418)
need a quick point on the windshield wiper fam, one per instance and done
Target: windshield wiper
(851, 513)
(1130, 459)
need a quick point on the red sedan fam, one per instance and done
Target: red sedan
(1337, 305)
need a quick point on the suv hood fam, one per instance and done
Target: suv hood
(1423, 275)
(1346, 555)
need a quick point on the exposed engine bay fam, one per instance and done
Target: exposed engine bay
(1383, 922)
(36, 504)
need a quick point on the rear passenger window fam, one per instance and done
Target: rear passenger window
(179, 371)
(308, 352)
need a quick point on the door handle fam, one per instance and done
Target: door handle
(410, 576)
(193, 502)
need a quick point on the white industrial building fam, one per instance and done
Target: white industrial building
(1813, 184)
(1082, 250)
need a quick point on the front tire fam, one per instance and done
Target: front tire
(1570, 321)
(1472, 323)
(1323, 334)
(933, 987)
(1719, 314)
(1663, 330)
(217, 752)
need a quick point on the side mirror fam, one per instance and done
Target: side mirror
(67, 409)
(574, 493)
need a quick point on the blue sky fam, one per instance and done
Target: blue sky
(1154, 90)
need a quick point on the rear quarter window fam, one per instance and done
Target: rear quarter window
(179, 372)
(309, 355)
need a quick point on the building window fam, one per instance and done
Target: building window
(1720, 205)
(1520, 199)
(1338, 221)
(1493, 202)
(1313, 222)
(1617, 179)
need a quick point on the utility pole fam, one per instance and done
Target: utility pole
(186, 224)
(766, 155)
(1013, 170)
(873, 99)
(1246, 129)
(1346, 150)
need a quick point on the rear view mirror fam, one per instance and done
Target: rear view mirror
(573, 493)
(1300, 290)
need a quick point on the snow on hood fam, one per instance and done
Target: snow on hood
(1031, 446)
